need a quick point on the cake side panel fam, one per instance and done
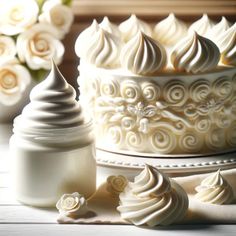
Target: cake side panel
(174, 114)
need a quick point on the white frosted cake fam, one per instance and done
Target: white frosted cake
(168, 88)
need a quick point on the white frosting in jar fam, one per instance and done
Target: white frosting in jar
(52, 105)
(215, 189)
(110, 27)
(143, 55)
(170, 30)
(153, 199)
(227, 45)
(132, 26)
(201, 26)
(195, 54)
(218, 29)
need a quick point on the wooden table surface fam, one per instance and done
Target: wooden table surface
(17, 219)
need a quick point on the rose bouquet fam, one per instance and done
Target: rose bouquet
(30, 35)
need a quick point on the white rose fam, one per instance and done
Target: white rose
(38, 45)
(116, 184)
(58, 15)
(14, 79)
(17, 15)
(7, 48)
(72, 205)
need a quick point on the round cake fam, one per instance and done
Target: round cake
(161, 89)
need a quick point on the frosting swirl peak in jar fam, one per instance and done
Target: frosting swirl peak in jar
(52, 104)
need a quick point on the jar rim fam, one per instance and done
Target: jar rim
(87, 126)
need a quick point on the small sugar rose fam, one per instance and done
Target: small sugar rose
(116, 184)
(38, 45)
(72, 205)
(17, 15)
(7, 48)
(58, 15)
(14, 79)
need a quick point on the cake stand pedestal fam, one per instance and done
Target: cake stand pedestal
(130, 164)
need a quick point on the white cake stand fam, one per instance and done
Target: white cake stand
(129, 164)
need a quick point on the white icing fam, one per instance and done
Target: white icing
(163, 140)
(135, 141)
(130, 27)
(201, 26)
(191, 142)
(215, 189)
(153, 199)
(142, 55)
(195, 54)
(218, 29)
(110, 27)
(170, 30)
(103, 50)
(183, 108)
(84, 39)
(227, 45)
(52, 105)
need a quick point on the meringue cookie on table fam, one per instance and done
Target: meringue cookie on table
(143, 55)
(153, 199)
(195, 54)
(201, 26)
(132, 26)
(170, 30)
(215, 189)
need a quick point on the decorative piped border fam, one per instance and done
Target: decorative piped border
(223, 161)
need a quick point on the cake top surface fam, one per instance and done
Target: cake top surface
(170, 45)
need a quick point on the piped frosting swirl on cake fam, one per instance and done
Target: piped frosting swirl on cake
(195, 54)
(84, 38)
(153, 199)
(201, 26)
(103, 50)
(218, 29)
(132, 26)
(227, 45)
(110, 27)
(143, 55)
(215, 189)
(170, 30)
(52, 105)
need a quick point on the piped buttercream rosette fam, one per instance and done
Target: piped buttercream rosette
(153, 199)
(130, 27)
(143, 55)
(170, 30)
(195, 54)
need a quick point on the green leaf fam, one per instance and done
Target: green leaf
(66, 2)
(40, 3)
(39, 75)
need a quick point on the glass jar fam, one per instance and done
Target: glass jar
(47, 163)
